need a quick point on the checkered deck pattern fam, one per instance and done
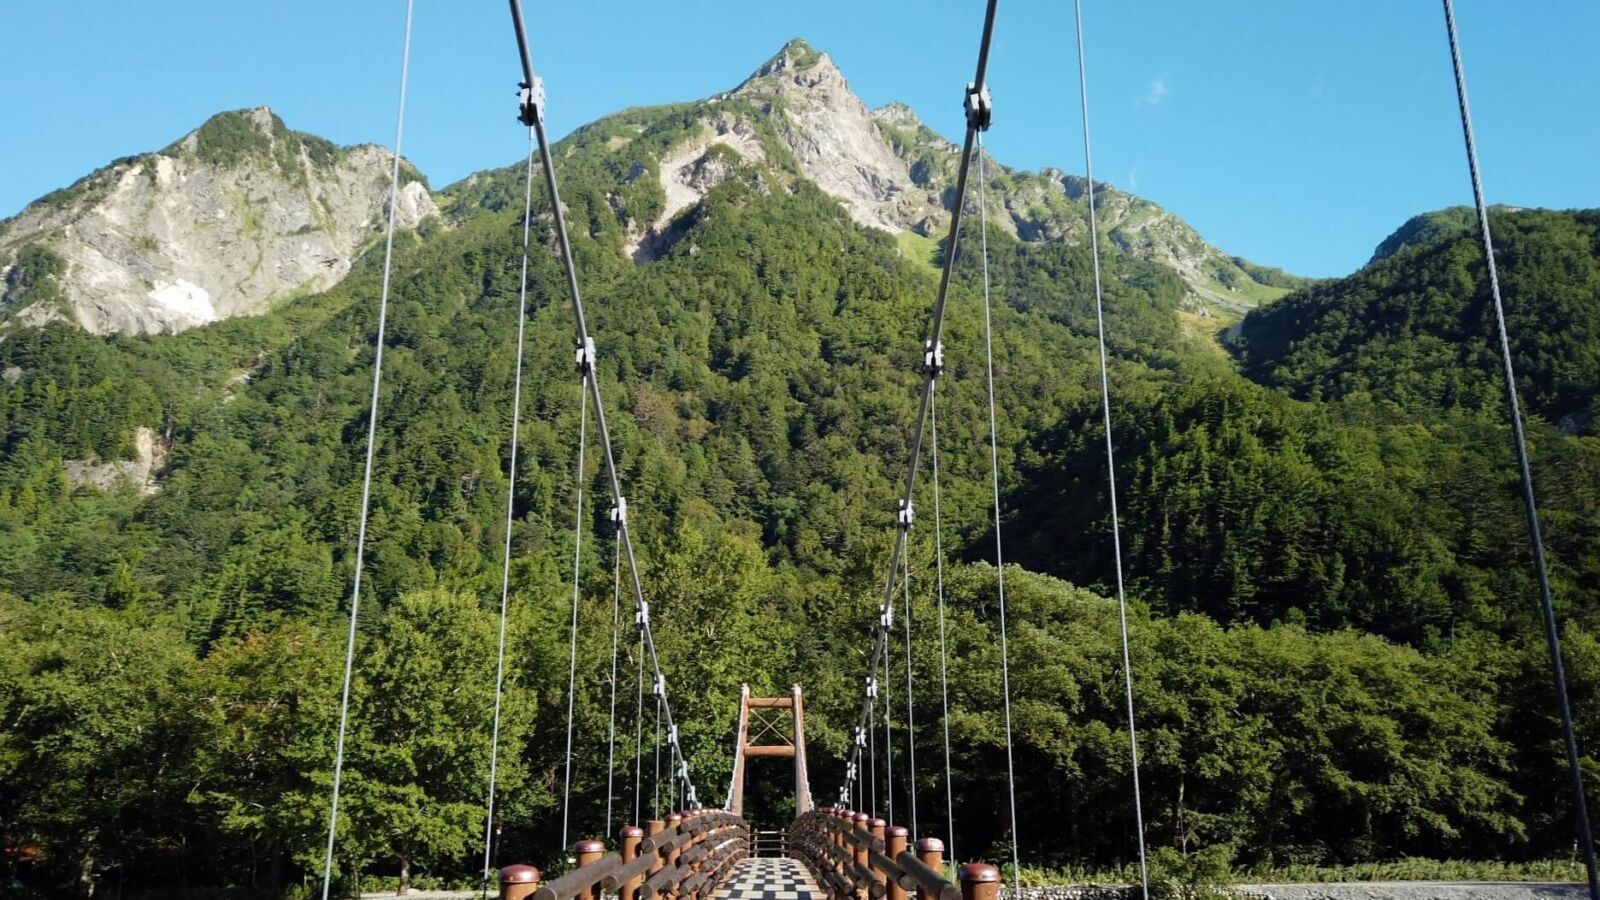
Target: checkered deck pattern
(770, 879)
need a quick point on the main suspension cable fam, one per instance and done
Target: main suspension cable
(999, 552)
(1524, 469)
(372, 442)
(979, 114)
(1111, 469)
(532, 113)
(572, 657)
(944, 665)
(511, 505)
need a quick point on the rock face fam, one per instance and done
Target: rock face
(892, 172)
(150, 454)
(237, 213)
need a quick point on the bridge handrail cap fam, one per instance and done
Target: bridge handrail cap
(979, 873)
(899, 831)
(519, 874)
(629, 831)
(930, 845)
(879, 823)
(590, 846)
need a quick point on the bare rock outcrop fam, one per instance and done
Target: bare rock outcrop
(238, 213)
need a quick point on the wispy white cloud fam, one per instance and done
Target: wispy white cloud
(1133, 178)
(1154, 95)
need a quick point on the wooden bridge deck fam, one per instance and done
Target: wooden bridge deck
(770, 879)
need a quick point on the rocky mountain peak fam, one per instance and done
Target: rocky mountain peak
(797, 62)
(233, 215)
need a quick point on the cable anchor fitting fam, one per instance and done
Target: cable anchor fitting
(642, 616)
(619, 513)
(585, 357)
(905, 514)
(531, 102)
(872, 688)
(933, 358)
(660, 688)
(979, 108)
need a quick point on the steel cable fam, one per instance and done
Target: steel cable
(372, 440)
(511, 505)
(1111, 470)
(911, 734)
(938, 581)
(1524, 469)
(994, 473)
(572, 657)
(611, 738)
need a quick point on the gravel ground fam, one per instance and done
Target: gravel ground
(1419, 890)
(421, 895)
(1355, 890)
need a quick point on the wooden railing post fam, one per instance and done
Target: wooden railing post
(894, 845)
(839, 839)
(930, 850)
(630, 836)
(589, 853)
(518, 882)
(651, 829)
(673, 821)
(879, 833)
(862, 823)
(980, 881)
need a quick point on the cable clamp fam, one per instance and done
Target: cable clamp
(531, 102)
(872, 688)
(672, 734)
(979, 108)
(886, 618)
(642, 616)
(933, 358)
(585, 356)
(619, 513)
(904, 514)
(660, 689)
(683, 770)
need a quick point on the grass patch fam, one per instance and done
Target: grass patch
(921, 252)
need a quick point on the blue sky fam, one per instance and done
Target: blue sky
(1297, 134)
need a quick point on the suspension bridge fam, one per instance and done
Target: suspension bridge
(844, 849)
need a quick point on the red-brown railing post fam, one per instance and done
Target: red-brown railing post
(631, 835)
(673, 821)
(879, 832)
(862, 824)
(895, 844)
(980, 881)
(589, 852)
(518, 882)
(837, 837)
(930, 850)
(651, 829)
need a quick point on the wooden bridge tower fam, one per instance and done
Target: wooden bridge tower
(770, 727)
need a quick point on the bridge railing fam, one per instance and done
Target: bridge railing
(853, 855)
(683, 857)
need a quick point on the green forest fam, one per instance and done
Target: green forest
(1335, 639)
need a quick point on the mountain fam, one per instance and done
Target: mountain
(1335, 656)
(1415, 327)
(237, 214)
(795, 117)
